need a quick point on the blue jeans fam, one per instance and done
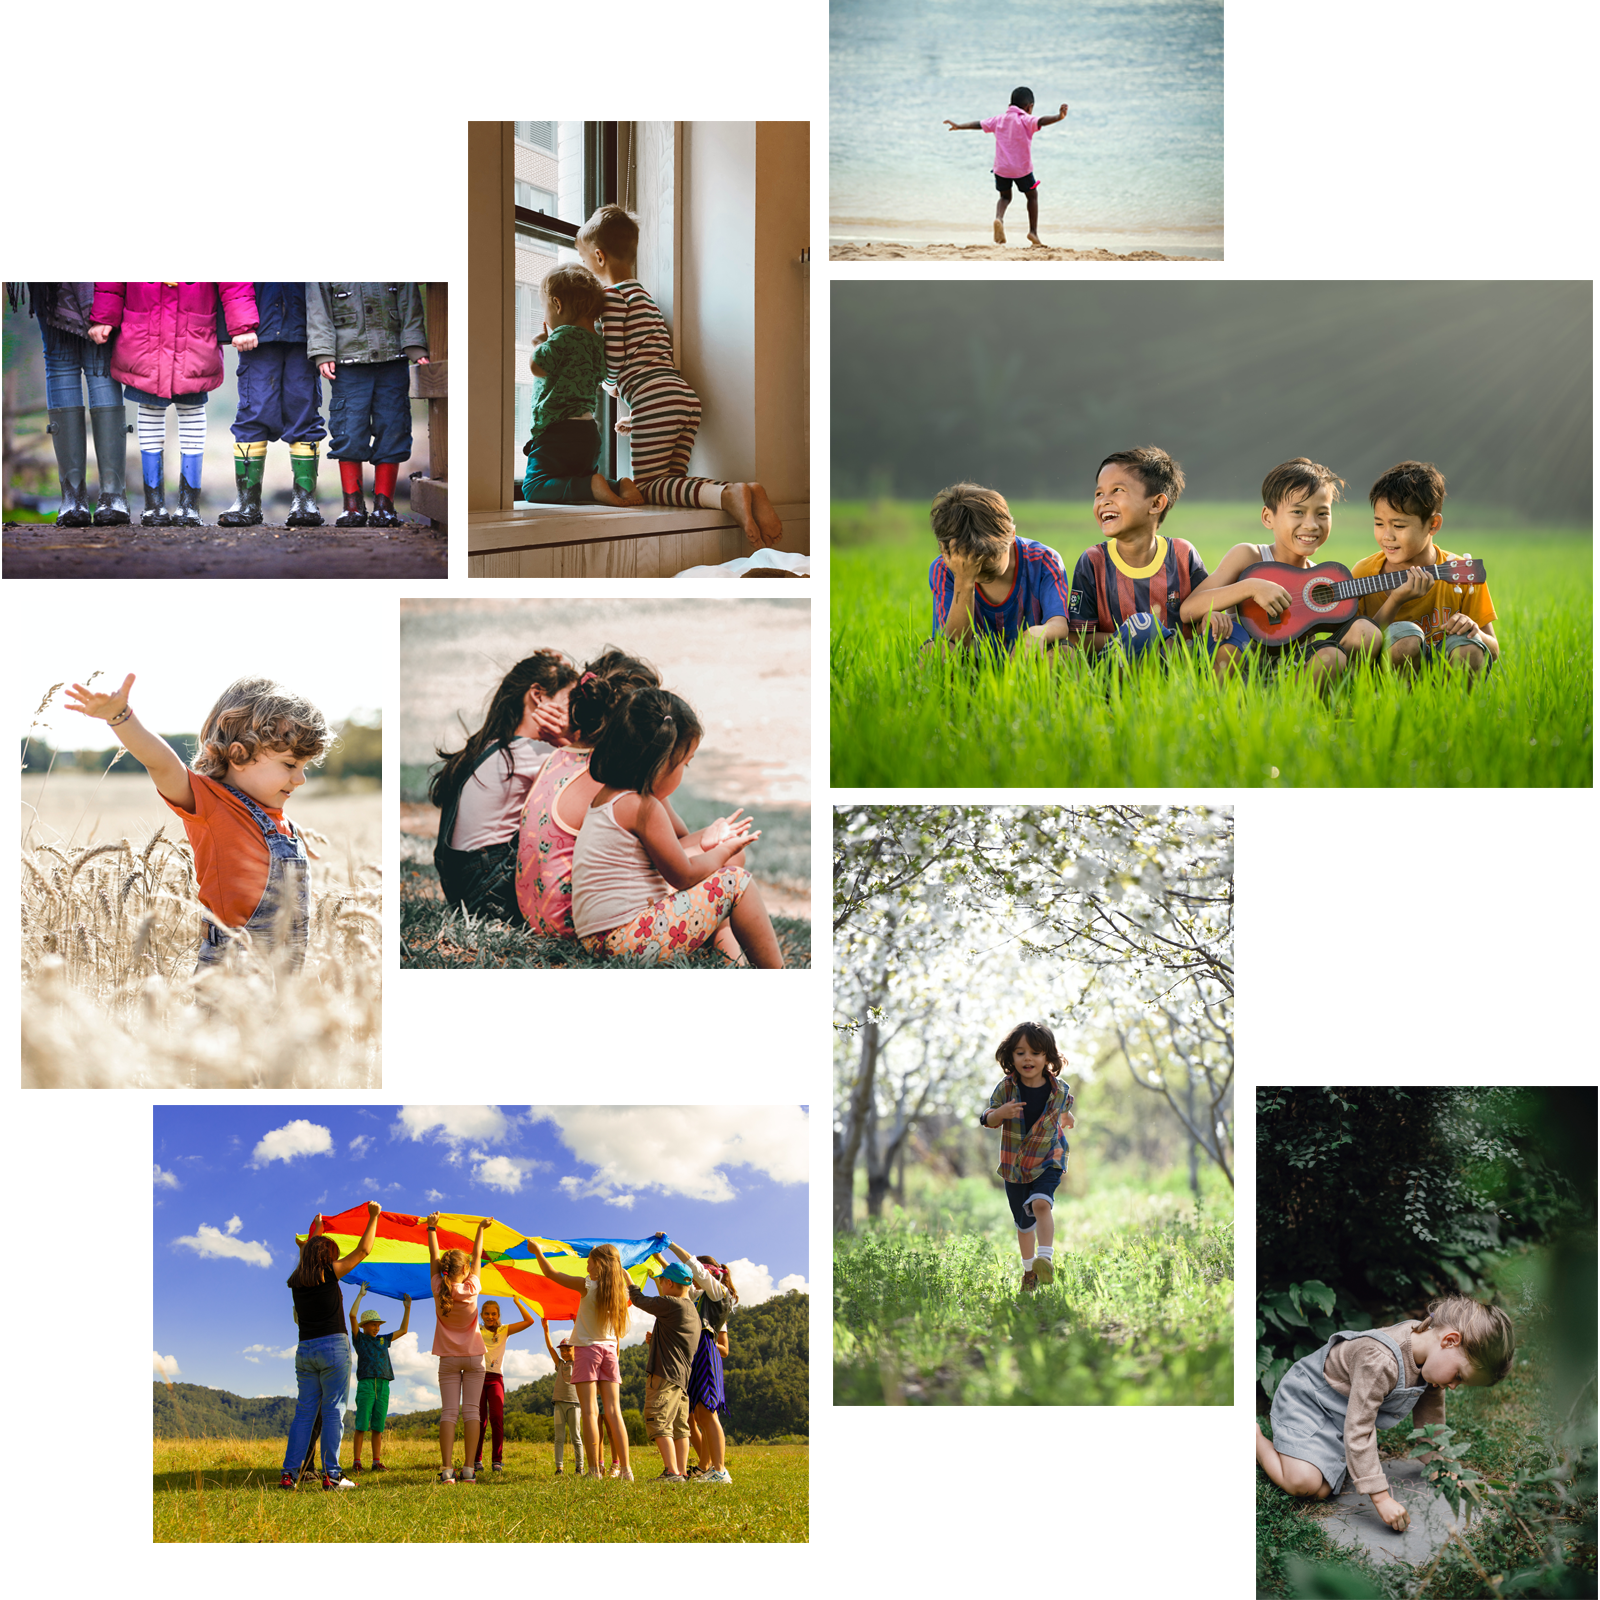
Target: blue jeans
(66, 356)
(322, 1367)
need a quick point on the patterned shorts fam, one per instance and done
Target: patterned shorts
(682, 922)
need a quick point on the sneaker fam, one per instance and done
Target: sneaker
(695, 1471)
(558, 1473)
(286, 1481)
(355, 1467)
(469, 1476)
(718, 1476)
(1044, 1270)
(669, 1477)
(336, 1483)
(1030, 1280)
(378, 1466)
(498, 1467)
(448, 1477)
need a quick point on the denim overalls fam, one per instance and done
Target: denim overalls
(1308, 1412)
(287, 871)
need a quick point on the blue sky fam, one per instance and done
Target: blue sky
(233, 1184)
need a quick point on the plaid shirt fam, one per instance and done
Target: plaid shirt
(1023, 1156)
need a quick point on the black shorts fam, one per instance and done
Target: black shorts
(1027, 184)
(1019, 1194)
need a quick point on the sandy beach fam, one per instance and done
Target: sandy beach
(986, 252)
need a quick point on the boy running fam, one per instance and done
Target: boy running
(1013, 132)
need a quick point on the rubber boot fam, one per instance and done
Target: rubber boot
(72, 446)
(189, 505)
(111, 430)
(156, 514)
(383, 512)
(249, 461)
(303, 462)
(355, 508)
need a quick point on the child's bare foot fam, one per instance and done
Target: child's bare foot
(630, 492)
(999, 231)
(605, 495)
(1034, 238)
(749, 505)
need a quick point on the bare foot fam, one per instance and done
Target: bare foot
(999, 231)
(630, 492)
(1034, 238)
(748, 503)
(605, 495)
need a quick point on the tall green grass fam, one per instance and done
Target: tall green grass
(901, 719)
(1140, 1312)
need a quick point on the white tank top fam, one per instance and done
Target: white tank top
(587, 1327)
(613, 879)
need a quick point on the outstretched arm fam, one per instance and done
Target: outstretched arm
(477, 1246)
(528, 1318)
(547, 1344)
(355, 1327)
(433, 1240)
(963, 127)
(652, 827)
(150, 750)
(565, 1279)
(364, 1245)
(1060, 116)
(405, 1321)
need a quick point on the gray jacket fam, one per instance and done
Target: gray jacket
(364, 322)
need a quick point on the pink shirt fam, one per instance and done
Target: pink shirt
(457, 1334)
(1013, 132)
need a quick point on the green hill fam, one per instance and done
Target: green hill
(188, 1411)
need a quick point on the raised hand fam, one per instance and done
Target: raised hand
(1063, 108)
(373, 1208)
(405, 1300)
(431, 1220)
(103, 706)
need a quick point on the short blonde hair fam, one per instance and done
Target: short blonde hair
(972, 521)
(613, 230)
(256, 714)
(581, 293)
(1486, 1333)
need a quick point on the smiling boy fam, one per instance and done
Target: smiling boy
(1425, 617)
(988, 581)
(1297, 509)
(250, 863)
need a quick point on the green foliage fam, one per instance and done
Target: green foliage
(190, 1411)
(1140, 1312)
(901, 719)
(358, 753)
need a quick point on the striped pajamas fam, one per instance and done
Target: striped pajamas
(665, 410)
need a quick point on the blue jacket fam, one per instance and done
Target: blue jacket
(282, 310)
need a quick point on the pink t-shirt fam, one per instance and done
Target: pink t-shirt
(457, 1334)
(1013, 132)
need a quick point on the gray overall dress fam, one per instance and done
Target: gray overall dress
(287, 875)
(1308, 1412)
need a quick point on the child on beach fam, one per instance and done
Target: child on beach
(250, 864)
(492, 1406)
(569, 362)
(481, 788)
(1013, 132)
(635, 890)
(374, 1374)
(1032, 1107)
(601, 1323)
(1330, 1404)
(168, 354)
(1426, 617)
(453, 1277)
(987, 581)
(564, 1402)
(664, 410)
(1297, 509)
(1128, 591)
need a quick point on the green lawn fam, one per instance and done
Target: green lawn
(899, 719)
(1140, 1313)
(226, 1490)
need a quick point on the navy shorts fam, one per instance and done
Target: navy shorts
(1027, 183)
(1018, 1195)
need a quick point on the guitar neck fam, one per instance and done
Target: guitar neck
(1377, 582)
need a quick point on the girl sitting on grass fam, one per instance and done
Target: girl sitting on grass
(458, 1345)
(597, 1330)
(1032, 1107)
(634, 889)
(481, 787)
(1329, 1406)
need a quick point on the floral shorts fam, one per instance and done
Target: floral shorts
(682, 922)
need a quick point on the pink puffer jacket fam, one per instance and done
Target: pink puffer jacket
(168, 339)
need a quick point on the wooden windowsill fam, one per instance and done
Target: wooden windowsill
(540, 527)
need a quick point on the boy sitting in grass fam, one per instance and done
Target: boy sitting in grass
(1128, 591)
(987, 581)
(1425, 617)
(1297, 509)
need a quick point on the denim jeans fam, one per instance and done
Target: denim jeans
(66, 355)
(322, 1367)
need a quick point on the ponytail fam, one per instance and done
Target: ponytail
(644, 739)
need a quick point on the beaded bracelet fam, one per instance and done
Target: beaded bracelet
(121, 716)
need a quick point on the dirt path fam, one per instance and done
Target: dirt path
(42, 550)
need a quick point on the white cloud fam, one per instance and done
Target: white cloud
(411, 1361)
(679, 1149)
(524, 1365)
(434, 1194)
(754, 1282)
(623, 1201)
(209, 1242)
(165, 1366)
(453, 1124)
(235, 1223)
(254, 1352)
(166, 1180)
(360, 1144)
(503, 1172)
(297, 1138)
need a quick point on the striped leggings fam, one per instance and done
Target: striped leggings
(191, 440)
(666, 417)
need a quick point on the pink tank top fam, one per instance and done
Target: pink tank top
(544, 849)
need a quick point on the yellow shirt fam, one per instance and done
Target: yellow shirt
(1431, 611)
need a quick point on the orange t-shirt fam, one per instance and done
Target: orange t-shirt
(1432, 610)
(230, 856)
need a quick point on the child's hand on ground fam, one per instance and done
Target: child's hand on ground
(103, 706)
(1272, 597)
(100, 332)
(245, 341)
(326, 369)
(1391, 1511)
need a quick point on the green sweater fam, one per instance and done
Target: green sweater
(573, 361)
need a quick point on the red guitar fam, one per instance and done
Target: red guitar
(1325, 595)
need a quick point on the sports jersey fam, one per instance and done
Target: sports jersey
(1431, 611)
(1106, 591)
(1038, 592)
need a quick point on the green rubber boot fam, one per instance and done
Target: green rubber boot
(303, 460)
(249, 461)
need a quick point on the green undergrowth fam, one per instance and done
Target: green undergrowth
(902, 718)
(1140, 1312)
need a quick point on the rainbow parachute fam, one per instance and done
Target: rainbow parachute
(398, 1264)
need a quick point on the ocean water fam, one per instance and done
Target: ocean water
(1138, 160)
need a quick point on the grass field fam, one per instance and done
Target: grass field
(226, 1491)
(900, 720)
(929, 1312)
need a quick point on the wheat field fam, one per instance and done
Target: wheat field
(110, 931)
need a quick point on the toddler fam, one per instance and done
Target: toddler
(250, 864)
